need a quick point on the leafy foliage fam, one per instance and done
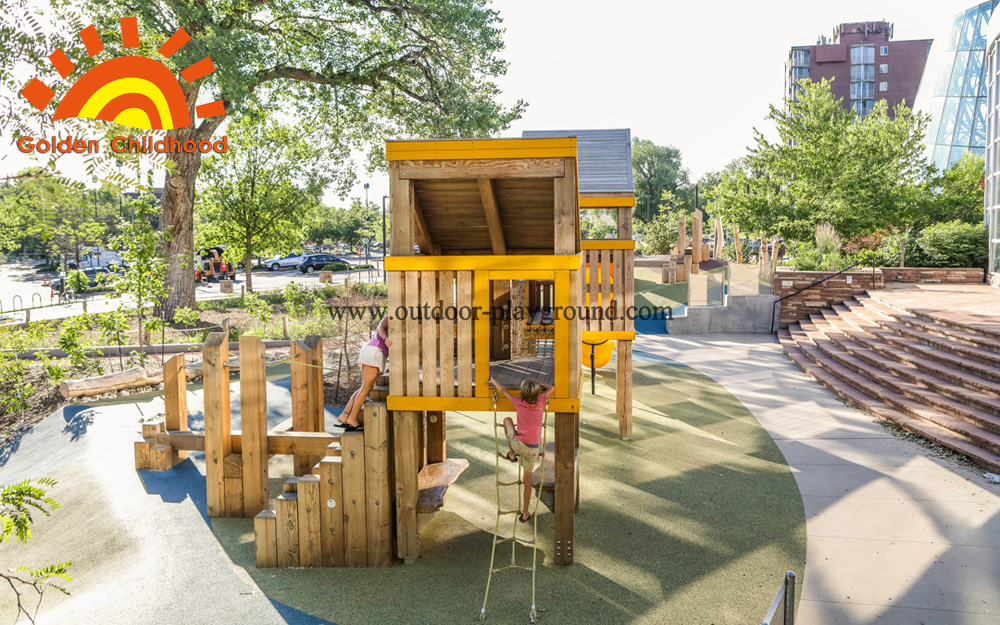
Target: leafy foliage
(656, 169)
(256, 306)
(659, 235)
(954, 244)
(141, 247)
(186, 316)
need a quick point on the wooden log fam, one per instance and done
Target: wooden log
(175, 394)
(88, 387)
(737, 243)
(287, 529)
(681, 237)
(159, 458)
(380, 509)
(310, 541)
(623, 389)
(688, 264)
(331, 495)
(253, 402)
(405, 424)
(436, 451)
(301, 419)
(317, 405)
(151, 428)
(697, 237)
(218, 441)
(265, 539)
(565, 487)
(141, 449)
(355, 507)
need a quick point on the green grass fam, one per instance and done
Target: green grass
(649, 291)
(694, 520)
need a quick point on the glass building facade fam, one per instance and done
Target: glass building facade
(955, 94)
(992, 180)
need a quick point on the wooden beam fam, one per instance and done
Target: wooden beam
(623, 392)
(567, 211)
(302, 421)
(521, 148)
(401, 196)
(175, 401)
(486, 168)
(253, 411)
(538, 262)
(355, 530)
(331, 489)
(405, 425)
(397, 330)
(380, 505)
(565, 487)
(480, 404)
(436, 449)
(218, 441)
(265, 539)
(317, 403)
(310, 547)
(488, 194)
(286, 510)
(422, 231)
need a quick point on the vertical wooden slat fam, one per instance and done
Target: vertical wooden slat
(593, 288)
(446, 293)
(397, 327)
(317, 405)
(436, 451)
(401, 200)
(606, 256)
(331, 504)
(624, 219)
(421, 440)
(565, 487)
(617, 260)
(287, 513)
(310, 542)
(482, 332)
(253, 411)
(405, 423)
(574, 327)
(623, 392)
(175, 401)
(412, 333)
(562, 342)
(428, 326)
(628, 287)
(218, 427)
(265, 539)
(301, 420)
(355, 530)
(465, 333)
(379, 508)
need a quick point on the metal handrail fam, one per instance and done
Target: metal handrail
(777, 301)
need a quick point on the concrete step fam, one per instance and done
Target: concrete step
(980, 410)
(953, 374)
(928, 352)
(964, 336)
(885, 298)
(853, 395)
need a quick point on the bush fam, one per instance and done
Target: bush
(660, 235)
(889, 249)
(336, 267)
(185, 316)
(77, 280)
(954, 244)
(729, 251)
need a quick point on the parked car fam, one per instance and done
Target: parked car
(99, 257)
(314, 262)
(59, 284)
(283, 262)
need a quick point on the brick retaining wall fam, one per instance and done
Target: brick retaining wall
(833, 291)
(926, 275)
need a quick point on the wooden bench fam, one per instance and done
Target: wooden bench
(432, 484)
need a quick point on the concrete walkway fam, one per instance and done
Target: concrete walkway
(895, 535)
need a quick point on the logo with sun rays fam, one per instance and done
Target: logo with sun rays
(134, 91)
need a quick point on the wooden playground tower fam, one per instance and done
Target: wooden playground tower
(493, 219)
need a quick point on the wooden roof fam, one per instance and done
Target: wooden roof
(486, 196)
(604, 158)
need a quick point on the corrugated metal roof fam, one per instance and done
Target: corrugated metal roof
(604, 158)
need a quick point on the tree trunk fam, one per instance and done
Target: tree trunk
(177, 217)
(248, 264)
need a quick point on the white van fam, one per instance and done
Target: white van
(97, 257)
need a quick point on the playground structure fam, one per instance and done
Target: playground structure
(497, 224)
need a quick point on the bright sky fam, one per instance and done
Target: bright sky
(696, 75)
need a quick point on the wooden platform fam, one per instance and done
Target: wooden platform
(433, 482)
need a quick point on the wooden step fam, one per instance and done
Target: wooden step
(859, 399)
(433, 482)
(872, 386)
(882, 375)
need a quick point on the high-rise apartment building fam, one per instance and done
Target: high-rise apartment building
(864, 64)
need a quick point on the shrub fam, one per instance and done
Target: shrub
(729, 251)
(297, 299)
(336, 267)
(77, 280)
(256, 306)
(185, 316)
(828, 242)
(660, 235)
(954, 244)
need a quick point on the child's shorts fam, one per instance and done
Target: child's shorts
(373, 357)
(527, 454)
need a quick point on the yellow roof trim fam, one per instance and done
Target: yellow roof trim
(475, 149)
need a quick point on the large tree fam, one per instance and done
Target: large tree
(829, 165)
(259, 193)
(656, 169)
(365, 70)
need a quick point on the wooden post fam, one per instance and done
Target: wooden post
(352, 446)
(405, 442)
(719, 238)
(287, 529)
(435, 437)
(565, 487)
(380, 509)
(331, 495)
(317, 404)
(265, 539)
(175, 400)
(623, 389)
(737, 243)
(688, 265)
(422, 441)
(218, 441)
(518, 312)
(697, 238)
(232, 471)
(284, 327)
(301, 418)
(253, 403)
(307, 497)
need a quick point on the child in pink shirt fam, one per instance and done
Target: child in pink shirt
(525, 439)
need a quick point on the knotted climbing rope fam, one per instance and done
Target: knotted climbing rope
(513, 539)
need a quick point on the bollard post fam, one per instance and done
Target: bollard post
(790, 598)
